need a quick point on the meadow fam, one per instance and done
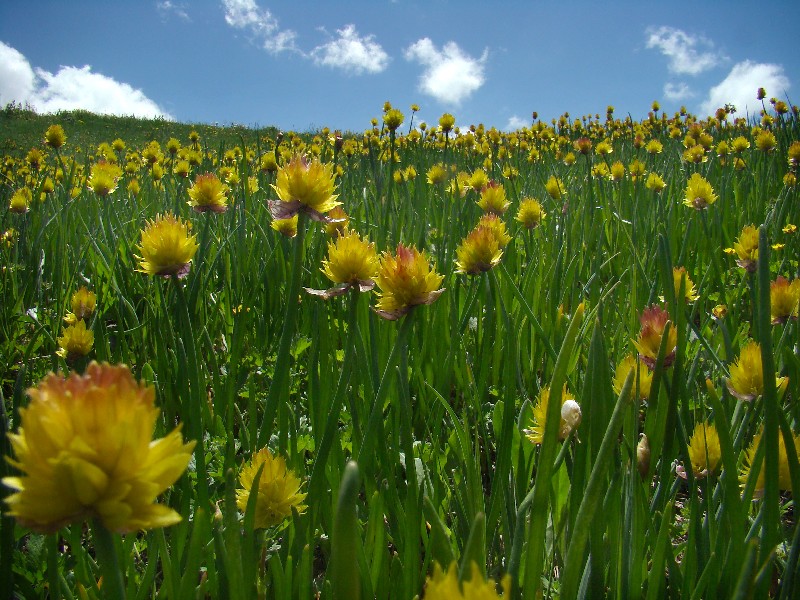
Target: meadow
(430, 360)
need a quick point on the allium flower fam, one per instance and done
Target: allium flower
(690, 292)
(85, 450)
(704, 450)
(304, 186)
(654, 321)
(406, 280)
(445, 586)
(645, 375)
(747, 374)
(208, 193)
(699, 193)
(167, 248)
(530, 213)
(83, 304)
(75, 341)
(784, 300)
(21, 200)
(570, 415)
(352, 264)
(784, 477)
(555, 188)
(493, 198)
(478, 252)
(278, 489)
(55, 136)
(746, 249)
(103, 178)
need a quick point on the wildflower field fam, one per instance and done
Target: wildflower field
(423, 360)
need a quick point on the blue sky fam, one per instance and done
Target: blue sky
(303, 65)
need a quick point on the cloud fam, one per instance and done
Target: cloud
(515, 122)
(352, 53)
(246, 14)
(68, 89)
(740, 86)
(677, 91)
(165, 7)
(450, 75)
(687, 54)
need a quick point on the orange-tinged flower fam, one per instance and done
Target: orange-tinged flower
(784, 477)
(699, 193)
(654, 321)
(103, 178)
(85, 450)
(278, 489)
(570, 415)
(445, 586)
(208, 193)
(644, 375)
(784, 300)
(747, 374)
(493, 198)
(167, 248)
(704, 449)
(352, 263)
(478, 252)
(304, 186)
(406, 280)
(530, 213)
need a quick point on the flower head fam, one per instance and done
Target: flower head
(444, 585)
(478, 180)
(555, 188)
(85, 449)
(699, 193)
(103, 178)
(208, 193)
(654, 321)
(55, 136)
(690, 292)
(286, 227)
(437, 174)
(352, 263)
(166, 248)
(304, 186)
(570, 415)
(655, 182)
(446, 122)
(747, 374)
(278, 489)
(784, 300)
(498, 226)
(784, 477)
(530, 213)
(704, 449)
(75, 341)
(393, 118)
(746, 248)
(478, 252)
(406, 280)
(644, 374)
(83, 304)
(21, 200)
(493, 198)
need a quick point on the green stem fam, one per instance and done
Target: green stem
(53, 582)
(106, 551)
(281, 375)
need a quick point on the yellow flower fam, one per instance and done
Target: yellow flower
(747, 374)
(446, 122)
(530, 213)
(617, 171)
(55, 136)
(570, 415)
(784, 300)
(393, 118)
(746, 248)
(604, 148)
(478, 180)
(704, 450)
(690, 292)
(654, 182)
(103, 178)
(75, 341)
(406, 280)
(352, 264)
(784, 478)
(339, 221)
(304, 186)
(208, 193)
(645, 375)
(478, 252)
(654, 147)
(654, 321)
(166, 248)
(720, 311)
(83, 304)
(740, 144)
(437, 174)
(766, 142)
(493, 198)
(445, 586)
(496, 224)
(21, 200)
(555, 188)
(699, 193)
(278, 489)
(583, 145)
(85, 450)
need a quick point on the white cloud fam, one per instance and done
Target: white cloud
(740, 86)
(450, 74)
(687, 54)
(246, 14)
(677, 91)
(69, 88)
(351, 52)
(515, 122)
(165, 7)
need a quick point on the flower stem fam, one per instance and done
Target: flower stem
(281, 374)
(113, 585)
